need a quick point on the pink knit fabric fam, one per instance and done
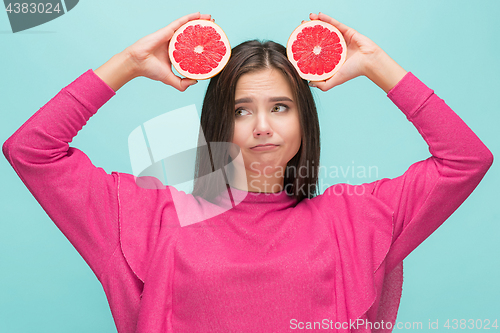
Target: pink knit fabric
(269, 264)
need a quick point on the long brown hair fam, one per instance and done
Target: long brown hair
(217, 122)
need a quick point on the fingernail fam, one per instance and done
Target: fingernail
(312, 85)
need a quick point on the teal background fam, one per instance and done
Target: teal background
(451, 45)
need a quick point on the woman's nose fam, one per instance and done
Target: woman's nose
(262, 127)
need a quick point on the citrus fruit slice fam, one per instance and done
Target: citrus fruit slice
(316, 49)
(199, 49)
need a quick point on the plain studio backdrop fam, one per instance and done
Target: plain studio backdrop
(451, 45)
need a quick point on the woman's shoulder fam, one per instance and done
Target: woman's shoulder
(356, 203)
(343, 192)
(147, 199)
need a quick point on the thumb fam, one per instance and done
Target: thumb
(185, 83)
(328, 84)
(178, 83)
(322, 85)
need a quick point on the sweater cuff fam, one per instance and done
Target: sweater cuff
(409, 94)
(90, 90)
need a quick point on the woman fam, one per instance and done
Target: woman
(278, 258)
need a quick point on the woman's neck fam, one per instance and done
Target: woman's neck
(252, 181)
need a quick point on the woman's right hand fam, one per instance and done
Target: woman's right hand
(148, 57)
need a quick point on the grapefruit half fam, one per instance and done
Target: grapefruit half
(316, 49)
(199, 49)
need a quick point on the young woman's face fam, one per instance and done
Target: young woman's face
(266, 113)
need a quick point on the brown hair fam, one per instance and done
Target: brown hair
(217, 122)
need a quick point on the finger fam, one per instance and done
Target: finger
(342, 27)
(321, 85)
(167, 32)
(328, 84)
(206, 17)
(186, 83)
(177, 82)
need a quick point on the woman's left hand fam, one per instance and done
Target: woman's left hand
(364, 57)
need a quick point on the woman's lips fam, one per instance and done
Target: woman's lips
(266, 147)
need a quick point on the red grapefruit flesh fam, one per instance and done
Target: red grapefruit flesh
(199, 49)
(317, 50)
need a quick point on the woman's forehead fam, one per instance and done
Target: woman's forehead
(266, 82)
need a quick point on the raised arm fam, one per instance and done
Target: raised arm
(430, 190)
(80, 198)
(77, 196)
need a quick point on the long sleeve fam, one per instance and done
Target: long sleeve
(80, 198)
(376, 225)
(430, 190)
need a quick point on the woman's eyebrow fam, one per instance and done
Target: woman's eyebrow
(272, 99)
(280, 99)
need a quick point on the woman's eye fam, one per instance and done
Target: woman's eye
(240, 112)
(280, 108)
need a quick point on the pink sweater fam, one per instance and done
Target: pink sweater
(266, 265)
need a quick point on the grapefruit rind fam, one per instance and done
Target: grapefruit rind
(293, 38)
(215, 70)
